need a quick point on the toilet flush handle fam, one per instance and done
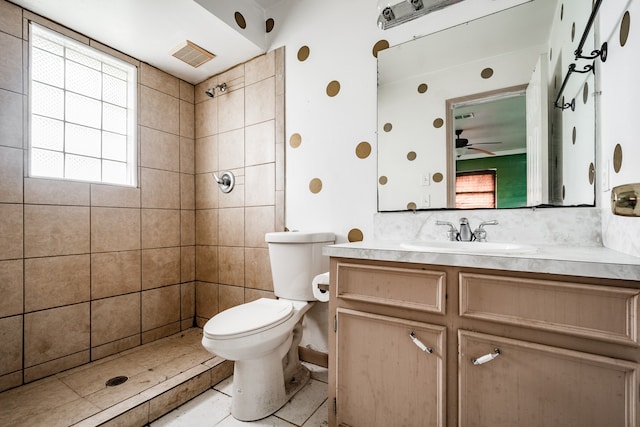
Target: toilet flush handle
(419, 343)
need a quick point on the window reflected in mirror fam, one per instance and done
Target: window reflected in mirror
(476, 189)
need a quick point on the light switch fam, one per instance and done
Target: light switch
(605, 176)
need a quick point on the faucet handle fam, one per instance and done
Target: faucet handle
(480, 233)
(452, 233)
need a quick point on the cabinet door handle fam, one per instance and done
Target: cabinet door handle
(419, 343)
(486, 358)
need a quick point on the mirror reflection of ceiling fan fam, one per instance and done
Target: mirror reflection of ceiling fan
(464, 143)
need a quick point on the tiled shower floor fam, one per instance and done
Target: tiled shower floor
(162, 376)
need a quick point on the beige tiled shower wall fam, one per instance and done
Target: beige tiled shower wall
(89, 270)
(240, 130)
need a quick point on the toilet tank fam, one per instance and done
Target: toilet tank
(296, 258)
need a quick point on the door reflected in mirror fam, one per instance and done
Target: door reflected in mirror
(489, 146)
(432, 92)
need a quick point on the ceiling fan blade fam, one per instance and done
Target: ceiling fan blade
(482, 151)
(491, 142)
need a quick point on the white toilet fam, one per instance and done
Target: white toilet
(262, 336)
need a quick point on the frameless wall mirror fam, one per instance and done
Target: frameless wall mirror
(478, 99)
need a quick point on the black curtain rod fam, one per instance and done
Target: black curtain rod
(587, 28)
(602, 54)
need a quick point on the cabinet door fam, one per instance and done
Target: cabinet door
(533, 385)
(383, 376)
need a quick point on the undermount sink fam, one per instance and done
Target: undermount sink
(470, 247)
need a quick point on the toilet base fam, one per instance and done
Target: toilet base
(260, 387)
(295, 383)
(261, 401)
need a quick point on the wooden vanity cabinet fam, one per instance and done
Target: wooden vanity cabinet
(524, 382)
(387, 369)
(535, 385)
(383, 378)
(548, 350)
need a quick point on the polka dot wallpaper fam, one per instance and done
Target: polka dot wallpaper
(239, 17)
(355, 235)
(295, 140)
(619, 146)
(571, 163)
(303, 53)
(331, 129)
(487, 73)
(269, 24)
(333, 88)
(315, 185)
(363, 150)
(380, 45)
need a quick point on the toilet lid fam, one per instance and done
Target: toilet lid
(251, 317)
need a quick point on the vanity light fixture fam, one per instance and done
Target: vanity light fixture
(416, 4)
(407, 10)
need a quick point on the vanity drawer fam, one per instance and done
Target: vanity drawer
(415, 289)
(599, 312)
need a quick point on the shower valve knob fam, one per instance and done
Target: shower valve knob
(226, 181)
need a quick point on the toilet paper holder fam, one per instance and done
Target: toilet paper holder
(320, 287)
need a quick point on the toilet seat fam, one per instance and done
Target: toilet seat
(247, 319)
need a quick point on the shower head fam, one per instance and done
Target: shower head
(211, 91)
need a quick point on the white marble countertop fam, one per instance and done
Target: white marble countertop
(590, 261)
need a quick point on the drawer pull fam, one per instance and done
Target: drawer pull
(419, 343)
(486, 358)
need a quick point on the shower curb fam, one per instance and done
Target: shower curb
(153, 403)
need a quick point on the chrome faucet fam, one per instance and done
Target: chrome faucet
(465, 234)
(452, 232)
(465, 231)
(480, 233)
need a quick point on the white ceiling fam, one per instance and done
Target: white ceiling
(149, 30)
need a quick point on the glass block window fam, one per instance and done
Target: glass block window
(82, 110)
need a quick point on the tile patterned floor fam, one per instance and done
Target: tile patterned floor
(162, 375)
(308, 408)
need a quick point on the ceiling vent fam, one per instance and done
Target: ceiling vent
(192, 54)
(465, 116)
